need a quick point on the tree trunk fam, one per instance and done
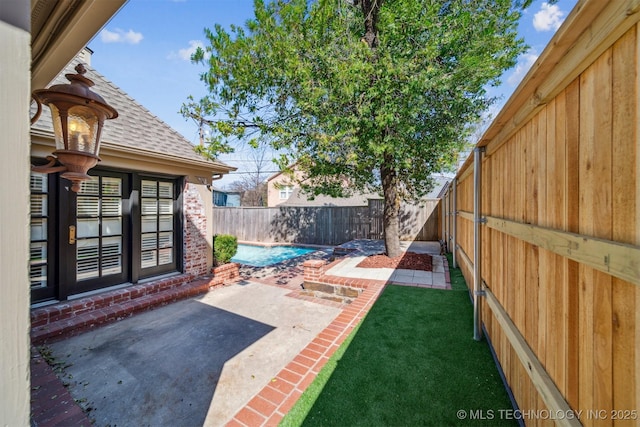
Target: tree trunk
(391, 207)
(370, 9)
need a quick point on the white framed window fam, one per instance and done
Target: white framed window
(286, 191)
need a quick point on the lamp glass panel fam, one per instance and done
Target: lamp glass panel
(57, 127)
(82, 128)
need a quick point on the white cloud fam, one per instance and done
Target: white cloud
(120, 36)
(549, 17)
(185, 54)
(525, 62)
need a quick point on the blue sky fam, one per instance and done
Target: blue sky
(146, 46)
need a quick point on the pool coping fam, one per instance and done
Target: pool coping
(272, 244)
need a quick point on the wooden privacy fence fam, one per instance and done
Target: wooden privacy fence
(543, 220)
(323, 225)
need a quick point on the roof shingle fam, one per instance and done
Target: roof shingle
(135, 127)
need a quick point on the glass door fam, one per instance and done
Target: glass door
(41, 270)
(158, 238)
(101, 232)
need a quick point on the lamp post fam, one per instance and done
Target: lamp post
(78, 115)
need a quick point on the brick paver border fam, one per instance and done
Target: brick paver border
(271, 404)
(277, 398)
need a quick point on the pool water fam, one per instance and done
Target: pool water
(262, 256)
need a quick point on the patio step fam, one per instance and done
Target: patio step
(332, 292)
(68, 318)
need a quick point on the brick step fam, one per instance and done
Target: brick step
(72, 317)
(332, 292)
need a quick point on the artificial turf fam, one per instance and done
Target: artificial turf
(412, 362)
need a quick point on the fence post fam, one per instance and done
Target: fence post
(443, 201)
(454, 225)
(477, 247)
(447, 218)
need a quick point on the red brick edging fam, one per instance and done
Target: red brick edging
(277, 398)
(51, 402)
(271, 404)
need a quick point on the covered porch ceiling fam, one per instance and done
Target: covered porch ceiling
(60, 29)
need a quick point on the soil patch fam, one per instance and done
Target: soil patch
(406, 261)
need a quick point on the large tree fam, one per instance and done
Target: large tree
(380, 94)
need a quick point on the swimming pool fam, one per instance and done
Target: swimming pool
(262, 256)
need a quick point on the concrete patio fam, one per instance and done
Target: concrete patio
(237, 355)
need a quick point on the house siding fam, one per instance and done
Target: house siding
(14, 223)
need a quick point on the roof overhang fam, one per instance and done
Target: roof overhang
(131, 158)
(60, 29)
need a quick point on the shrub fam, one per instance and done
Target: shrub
(225, 247)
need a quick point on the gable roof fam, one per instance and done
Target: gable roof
(134, 128)
(275, 175)
(298, 199)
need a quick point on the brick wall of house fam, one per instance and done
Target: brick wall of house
(196, 248)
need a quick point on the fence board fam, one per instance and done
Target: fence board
(324, 225)
(543, 383)
(561, 248)
(625, 153)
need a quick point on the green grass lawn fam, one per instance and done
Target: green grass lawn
(412, 362)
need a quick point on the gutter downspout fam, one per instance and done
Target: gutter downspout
(215, 177)
(477, 247)
(454, 243)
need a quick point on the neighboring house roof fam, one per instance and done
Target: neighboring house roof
(219, 190)
(297, 198)
(275, 175)
(134, 128)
